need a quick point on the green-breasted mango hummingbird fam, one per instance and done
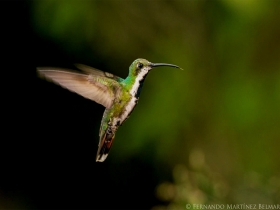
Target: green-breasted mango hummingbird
(119, 96)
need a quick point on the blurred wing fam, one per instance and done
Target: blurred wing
(92, 87)
(94, 71)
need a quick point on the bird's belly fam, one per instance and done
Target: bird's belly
(118, 113)
(128, 108)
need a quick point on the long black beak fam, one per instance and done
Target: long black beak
(164, 64)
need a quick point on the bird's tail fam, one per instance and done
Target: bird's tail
(104, 147)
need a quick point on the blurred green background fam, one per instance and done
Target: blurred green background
(206, 135)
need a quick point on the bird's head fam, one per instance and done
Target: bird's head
(142, 67)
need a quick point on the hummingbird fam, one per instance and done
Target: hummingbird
(118, 96)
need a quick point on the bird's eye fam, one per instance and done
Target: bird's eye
(140, 65)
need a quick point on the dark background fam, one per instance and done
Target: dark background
(208, 134)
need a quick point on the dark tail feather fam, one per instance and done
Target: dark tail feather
(104, 147)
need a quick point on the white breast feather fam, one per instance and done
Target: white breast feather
(131, 104)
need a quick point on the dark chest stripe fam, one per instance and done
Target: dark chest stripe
(141, 82)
